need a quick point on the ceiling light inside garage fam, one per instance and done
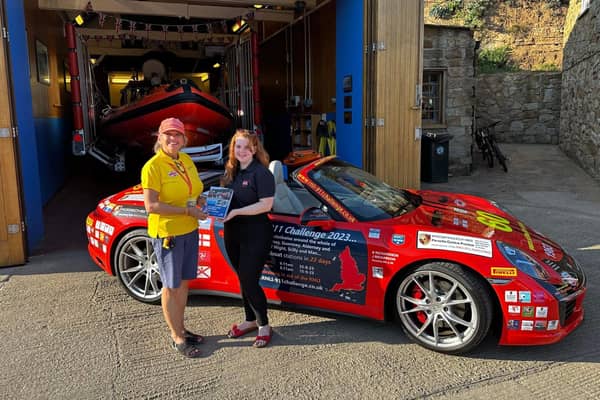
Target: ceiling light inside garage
(120, 81)
(239, 24)
(120, 78)
(79, 20)
(202, 75)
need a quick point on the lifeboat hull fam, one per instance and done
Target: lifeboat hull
(206, 119)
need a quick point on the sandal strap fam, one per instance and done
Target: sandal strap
(236, 332)
(263, 340)
(187, 349)
(193, 337)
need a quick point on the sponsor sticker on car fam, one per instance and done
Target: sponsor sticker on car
(374, 233)
(510, 296)
(398, 239)
(203, 272)
(503, 271)
(457, 243)
(541, 312)
(513, 309)
(526, 325)
(524, 296)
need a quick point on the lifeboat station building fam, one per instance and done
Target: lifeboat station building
(282, 68)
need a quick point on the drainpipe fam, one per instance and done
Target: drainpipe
(78, 143)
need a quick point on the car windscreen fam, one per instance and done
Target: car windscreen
(364, 195)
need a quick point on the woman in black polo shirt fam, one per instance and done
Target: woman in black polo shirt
(248, 231)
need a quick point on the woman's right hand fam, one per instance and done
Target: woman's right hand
(196, 213)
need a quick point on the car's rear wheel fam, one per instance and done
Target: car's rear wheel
(444, 307)
(136, 267)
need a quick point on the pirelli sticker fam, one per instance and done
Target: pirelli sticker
(505, 272)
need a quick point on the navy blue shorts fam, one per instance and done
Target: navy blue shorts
(178, 263)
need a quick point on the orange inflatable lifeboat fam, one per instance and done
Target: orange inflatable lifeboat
(206, 119)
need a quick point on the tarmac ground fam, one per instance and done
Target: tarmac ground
(69, 331)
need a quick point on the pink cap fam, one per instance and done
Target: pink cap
(171, 124)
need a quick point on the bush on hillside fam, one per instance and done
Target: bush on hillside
(495, 60)
(445, 9)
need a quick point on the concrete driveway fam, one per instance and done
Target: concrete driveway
(69, 331)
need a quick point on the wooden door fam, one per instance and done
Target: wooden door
(393, 74)
(12, 235)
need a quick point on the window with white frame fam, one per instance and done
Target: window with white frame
(432, 107)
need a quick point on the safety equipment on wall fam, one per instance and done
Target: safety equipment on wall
(326, 132)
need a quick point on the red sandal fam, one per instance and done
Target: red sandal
(263, 341)
(236, 332)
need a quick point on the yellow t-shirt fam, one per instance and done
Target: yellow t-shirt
(175, 186)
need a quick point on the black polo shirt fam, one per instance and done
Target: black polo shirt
(251, 184)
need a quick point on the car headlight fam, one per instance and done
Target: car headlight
(523, 261)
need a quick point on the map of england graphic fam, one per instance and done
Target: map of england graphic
(352, 279)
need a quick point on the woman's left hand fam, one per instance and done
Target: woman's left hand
(232, 214)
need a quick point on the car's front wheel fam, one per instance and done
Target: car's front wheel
(136, 267)
(444, 307)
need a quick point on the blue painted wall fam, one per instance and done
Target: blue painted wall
(349, 63)
(53, 148)
(28, 150)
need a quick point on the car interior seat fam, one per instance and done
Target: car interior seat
(285, 201)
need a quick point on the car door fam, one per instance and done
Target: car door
(317, 262)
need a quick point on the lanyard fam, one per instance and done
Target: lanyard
(182, 172)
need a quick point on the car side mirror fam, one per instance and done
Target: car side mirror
(314, 216)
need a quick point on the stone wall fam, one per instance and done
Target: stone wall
(580, 112)
(527, 104)
(452, 50)
(533, 30)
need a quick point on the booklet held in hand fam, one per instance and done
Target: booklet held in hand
(218, 200)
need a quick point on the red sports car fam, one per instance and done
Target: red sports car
(447, 266)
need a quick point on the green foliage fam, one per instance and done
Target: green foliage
(495, 60)
(474, 12)
(471, 11)
(548, 67)
(445, 9)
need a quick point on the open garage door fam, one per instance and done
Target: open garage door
(208, 52)
(12, 244)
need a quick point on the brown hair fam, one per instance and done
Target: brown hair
(233, 165)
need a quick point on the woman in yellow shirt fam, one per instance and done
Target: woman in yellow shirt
(172, 191)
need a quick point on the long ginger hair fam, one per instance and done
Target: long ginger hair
(233, 165)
